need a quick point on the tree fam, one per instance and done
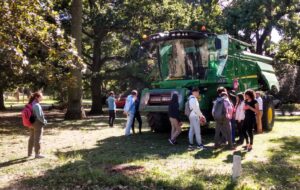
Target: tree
(75, 109)
(113, 27)
(254, 20)
(33, 47)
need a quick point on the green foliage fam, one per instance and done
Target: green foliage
(254, 20)
(33, 47)
(290, 108)
(289, 50)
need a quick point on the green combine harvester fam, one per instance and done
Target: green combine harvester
(186, 59)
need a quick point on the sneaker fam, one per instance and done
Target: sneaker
(39, 156)
(190, 147)
(171, 142)
(201, 146)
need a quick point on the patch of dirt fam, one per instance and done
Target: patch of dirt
(126, 169)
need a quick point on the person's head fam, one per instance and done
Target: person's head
(239, 98)
(134, 93)
(224, 94)
(258, 94)
(111, 93)
(249, 95)
(196, 92)
(174, 99)
(220, 90)
(37, 96)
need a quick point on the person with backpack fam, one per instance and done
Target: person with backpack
(129, 110)
(112, 108)
(36, 130)
(222, 113)
(240, 116)
(137, 115)
(260, 113)
(251, 109)
(174, 119)
(195, 118)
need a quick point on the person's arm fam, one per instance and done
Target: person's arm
(194, 107)
(38, 112)
(129, 102)
(256, 109)
(229, 109)
(213, 109)
(126, 107)
(177, 113)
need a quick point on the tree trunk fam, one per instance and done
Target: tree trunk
(75, 109)
(2, 107)
(96, 95)
(261, 40)
(259, 46)
(96, 79)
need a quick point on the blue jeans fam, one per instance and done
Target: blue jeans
(130, 118)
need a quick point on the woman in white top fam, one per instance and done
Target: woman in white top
(240, 116)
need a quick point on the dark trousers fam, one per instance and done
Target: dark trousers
(112, 117)
(223, 128)
(248, 126)
(233, 128)
(240, 134)
(138, 117)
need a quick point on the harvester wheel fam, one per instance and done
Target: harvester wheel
(159, 122)
(268, 113)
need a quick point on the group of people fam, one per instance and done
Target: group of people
(131, 110)
(241, 113)
(243, 117)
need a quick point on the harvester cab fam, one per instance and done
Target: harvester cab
(187, 59)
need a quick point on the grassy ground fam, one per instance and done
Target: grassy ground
(89, 155)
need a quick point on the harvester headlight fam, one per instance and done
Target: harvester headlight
(166, 99)
(155, 99)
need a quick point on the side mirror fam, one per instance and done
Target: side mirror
(218, 44)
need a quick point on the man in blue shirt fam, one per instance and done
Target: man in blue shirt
(129, 110)
(111, 101)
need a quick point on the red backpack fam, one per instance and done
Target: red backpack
(27, 116)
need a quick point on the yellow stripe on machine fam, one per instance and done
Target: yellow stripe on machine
(248, 77)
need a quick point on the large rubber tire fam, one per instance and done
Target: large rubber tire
(268, 113)
(159, 122)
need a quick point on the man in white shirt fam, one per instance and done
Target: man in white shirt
(260, 114)
(195, 117)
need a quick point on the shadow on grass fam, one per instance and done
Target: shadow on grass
(114, 163)
(283, 169)
(229, 158)
(12, 162)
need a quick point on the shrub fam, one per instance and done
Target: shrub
(291, 108)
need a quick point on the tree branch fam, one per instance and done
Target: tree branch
(114, 58)
(87, 34)
(87, 56)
